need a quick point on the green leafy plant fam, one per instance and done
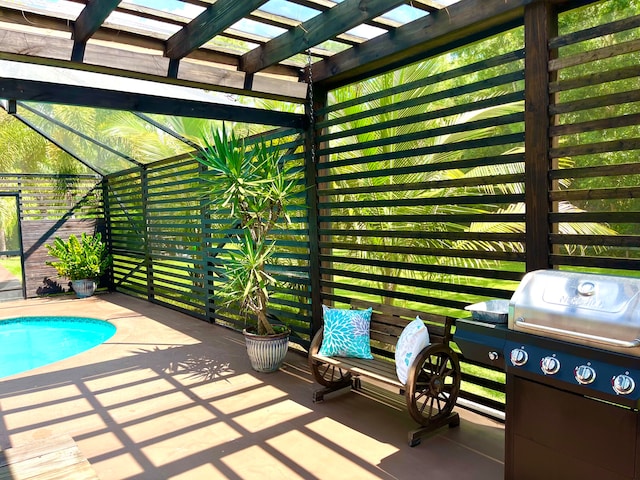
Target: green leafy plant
(79, 258)
(250, 183)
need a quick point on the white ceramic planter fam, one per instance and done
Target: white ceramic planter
(84, 288)
(266, 353)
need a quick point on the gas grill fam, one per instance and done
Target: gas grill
(570, 347)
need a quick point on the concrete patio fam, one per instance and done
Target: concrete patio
(170, 396)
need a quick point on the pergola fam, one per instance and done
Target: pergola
(152, 61)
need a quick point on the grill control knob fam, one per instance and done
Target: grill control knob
(519, 357)
(550, 365)
(623, 384)
(584, 374)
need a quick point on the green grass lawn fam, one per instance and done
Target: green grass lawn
(12, 264)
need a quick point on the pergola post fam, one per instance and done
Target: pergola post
(540, 24)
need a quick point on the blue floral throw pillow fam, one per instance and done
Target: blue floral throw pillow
(346, 333)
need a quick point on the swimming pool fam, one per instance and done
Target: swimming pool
(30, 342)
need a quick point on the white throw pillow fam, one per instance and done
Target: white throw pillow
(412, 340)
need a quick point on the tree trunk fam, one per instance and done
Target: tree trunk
(264, 327)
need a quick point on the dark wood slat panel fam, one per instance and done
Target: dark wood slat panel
(594, 125)
(481, 381)
(594, 79)
(423, 201)
(601, 217)
(596, 240)
(426, 115)
(599, 171)
(494, 404)
(510, 139)
(445, 270)
(499, 60)
(424, 234)
(593, 148)
(595, 32)
(597, 262)
(329, 286)
(423, 284)
(595, 102)
(423, 134)
(457, 218)
(595, 194)
(473, 87)
(441, 252)
(436, 167)
(594, 55)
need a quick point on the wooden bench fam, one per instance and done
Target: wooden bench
(433, 382)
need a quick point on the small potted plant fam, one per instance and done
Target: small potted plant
(250, 183)
(82, 260)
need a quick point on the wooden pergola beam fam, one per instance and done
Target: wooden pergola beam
(414, 40)
(342, 17)
(39, 91)
(207, 25)
(54, 51)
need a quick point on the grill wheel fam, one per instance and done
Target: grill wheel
(433, 384)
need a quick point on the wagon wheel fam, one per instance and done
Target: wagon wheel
(326, 374)
(433, 384)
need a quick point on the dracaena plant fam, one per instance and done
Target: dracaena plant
(249, 182)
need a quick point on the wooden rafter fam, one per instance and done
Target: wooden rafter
(413, 40)
(91, 17)
(207, 25)
(88, 22)
(338, 19)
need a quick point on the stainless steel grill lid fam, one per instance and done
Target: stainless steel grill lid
(599, 310)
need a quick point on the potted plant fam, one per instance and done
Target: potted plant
(250, 183)
(83, 261)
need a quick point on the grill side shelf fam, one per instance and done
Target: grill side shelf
(481, 342)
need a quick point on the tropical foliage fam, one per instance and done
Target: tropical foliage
(79, 258)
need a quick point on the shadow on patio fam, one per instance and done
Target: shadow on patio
(173, 397)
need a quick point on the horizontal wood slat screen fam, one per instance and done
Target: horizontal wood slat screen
(421, 182)
(169, 247)
(595, 134)
(421, 188)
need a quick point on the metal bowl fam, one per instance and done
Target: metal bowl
(491, 311)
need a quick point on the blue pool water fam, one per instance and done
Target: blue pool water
(30, 342)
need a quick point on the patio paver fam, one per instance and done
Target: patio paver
(170, 396)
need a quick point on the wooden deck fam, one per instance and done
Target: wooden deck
(170, 396)
(52, 458)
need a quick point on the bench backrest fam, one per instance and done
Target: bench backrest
(388, 321)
